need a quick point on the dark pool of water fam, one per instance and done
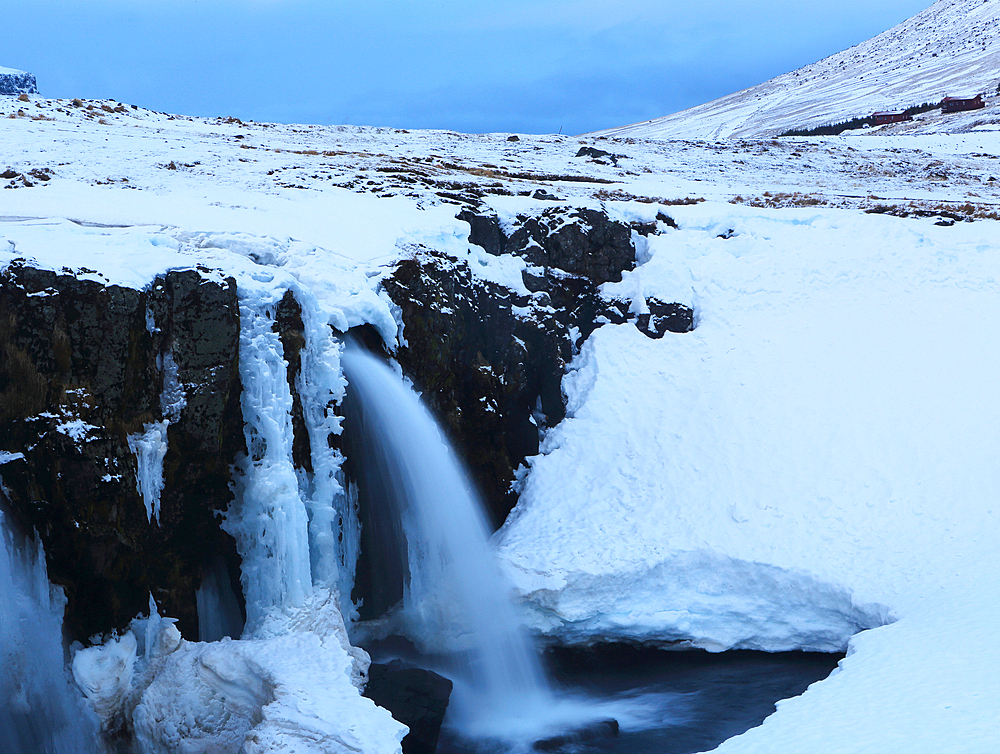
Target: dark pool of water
(709, 697)
(681, 701)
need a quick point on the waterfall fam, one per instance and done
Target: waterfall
(454, 588)
(40, 712)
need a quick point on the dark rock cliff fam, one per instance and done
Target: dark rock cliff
(84, 366)
(89, 371)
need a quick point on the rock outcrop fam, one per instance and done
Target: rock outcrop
(93, 378)
(14, 82)
(489, 360)
(489, 373)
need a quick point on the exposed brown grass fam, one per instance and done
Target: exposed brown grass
(873, 205)
(780, 199)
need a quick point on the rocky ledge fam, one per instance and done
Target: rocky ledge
(13, 82)
(490, 360)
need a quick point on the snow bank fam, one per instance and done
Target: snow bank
(817, 457)
(290, 688)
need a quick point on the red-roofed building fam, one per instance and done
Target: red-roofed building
(958, 104)
(882, 118)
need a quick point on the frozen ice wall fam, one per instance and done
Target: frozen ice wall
(295, 528)
(268, 520)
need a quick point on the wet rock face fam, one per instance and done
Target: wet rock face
(85, 365)
(291, 331)
(483, 369)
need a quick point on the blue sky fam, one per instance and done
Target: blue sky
(503, 65)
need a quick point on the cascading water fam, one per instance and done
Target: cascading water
(40, 712)
(455, 589)
(455, 598)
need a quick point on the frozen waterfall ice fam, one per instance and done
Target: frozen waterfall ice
(40, 711)
(293, 527)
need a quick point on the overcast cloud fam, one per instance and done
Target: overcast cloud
(503, 65)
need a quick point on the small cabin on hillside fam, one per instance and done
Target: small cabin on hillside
(882, 118)
(958, 104)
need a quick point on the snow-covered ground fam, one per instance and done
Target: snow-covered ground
(816, 458)
(950, 49)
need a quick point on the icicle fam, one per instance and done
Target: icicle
(172, 397)
(150, 448)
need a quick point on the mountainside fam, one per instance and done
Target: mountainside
(950, 49)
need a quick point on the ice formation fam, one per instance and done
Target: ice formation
(219, 612)
(150, 448)
(39, 709)
(269, 521)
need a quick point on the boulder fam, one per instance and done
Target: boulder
(602, 729)
(664, 317)
(415, 697)
(599, 155)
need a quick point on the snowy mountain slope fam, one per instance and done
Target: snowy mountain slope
(950, 49)
(819, 450)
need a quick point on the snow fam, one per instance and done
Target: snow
(104, 674)
(816, 459)
(8, 71)
(292, 687)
